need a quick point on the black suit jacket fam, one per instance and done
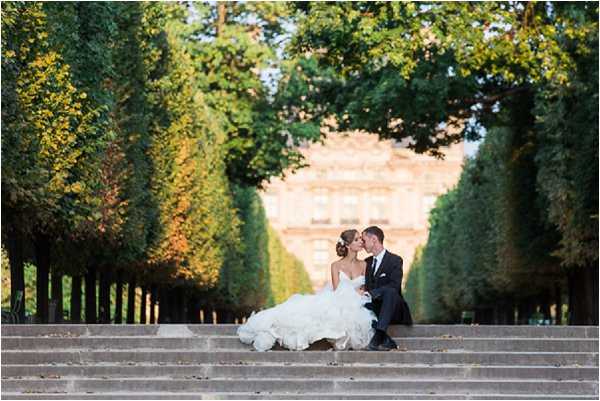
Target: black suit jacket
(389, 274)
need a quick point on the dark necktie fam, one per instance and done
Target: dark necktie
(374, 266)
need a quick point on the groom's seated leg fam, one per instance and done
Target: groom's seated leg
(377, 339)
(370, 306)
(388, 343)
(389, 303)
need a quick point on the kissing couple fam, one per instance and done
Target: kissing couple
(354, 312)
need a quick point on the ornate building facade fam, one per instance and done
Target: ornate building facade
(354, 181)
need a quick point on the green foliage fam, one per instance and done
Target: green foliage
(30, 306)
(254, 280)
(122, 134)
(413, 293)
(197, 227)
(567, 122)
(487, 242)
(525, 71)
(232, 44)
(47, 128)
(286, 272)
(408, 70)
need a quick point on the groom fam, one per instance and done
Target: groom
(383, 282)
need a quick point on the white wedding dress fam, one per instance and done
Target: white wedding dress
(338, 316)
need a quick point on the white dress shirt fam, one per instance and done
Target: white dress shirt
(378, 258)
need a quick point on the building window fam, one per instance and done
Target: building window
(320, 252)
(349, 212)
(321, 209)
(271, 206)
(379, 210)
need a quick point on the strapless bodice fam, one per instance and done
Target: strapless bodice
(354, 282)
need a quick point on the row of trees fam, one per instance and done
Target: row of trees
(521, 228)
(131, 131)
(519, 233)
(272, 275)
(496, 246)
(132, 146)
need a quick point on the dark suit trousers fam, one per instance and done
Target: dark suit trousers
(387, 307)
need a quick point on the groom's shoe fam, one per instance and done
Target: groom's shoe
(377, 340)
(387, 344)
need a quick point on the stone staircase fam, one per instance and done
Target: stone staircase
(209, 362)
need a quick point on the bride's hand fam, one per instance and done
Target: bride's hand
(360, 291)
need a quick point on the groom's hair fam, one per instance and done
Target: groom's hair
(376, 231)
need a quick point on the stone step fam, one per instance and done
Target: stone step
(299, 386)
(190, 330)
(209, 361)
(337, 357)
(301, 371)
(233, 343)
(274, 396)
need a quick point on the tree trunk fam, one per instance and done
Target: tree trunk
(498, 314)
(131, 301)
(593, 287)
(208, 315)
(104, 304)
(173, 302)
(221, 17)
(193, 309)
(42, 254)
(509, 311)
(524, 310)
(153, 296)
(181, 305)
(583, 295)
(241, 317)
(14, 245)
(224, 316)
(76, 299)
(189, 318)
(163, 305)
(545, 305)
(482, 315)
(201, 313)
(558, 302)
(119, 299)
(57, 295)
(90, 295)
(531, 308)
(173, 305)
(143, 306)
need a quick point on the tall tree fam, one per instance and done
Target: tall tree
(234, 45)
(408, 70)
(47, 136)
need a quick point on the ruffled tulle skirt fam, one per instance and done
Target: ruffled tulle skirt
(337, 316)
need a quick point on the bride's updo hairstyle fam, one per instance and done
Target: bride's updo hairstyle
(346, 237)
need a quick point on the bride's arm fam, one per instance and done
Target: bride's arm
(335, 276)
(364, 272)
(362, 289)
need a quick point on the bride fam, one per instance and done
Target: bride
(336, 313)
